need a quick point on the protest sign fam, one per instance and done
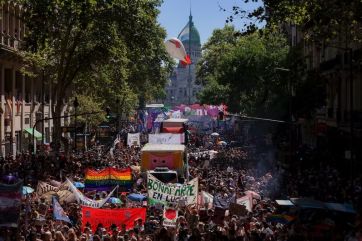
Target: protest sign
(170, 216)
(85, 201)
(133, 139)
(205, 200)
(10, 202)
(107, 217)
(171, 193)
(166, 138)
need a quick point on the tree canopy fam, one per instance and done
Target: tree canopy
(321, 20)
(242, 71)
(103, 49)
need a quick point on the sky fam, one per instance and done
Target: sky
(206, 15)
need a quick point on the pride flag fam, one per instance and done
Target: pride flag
(108, 178)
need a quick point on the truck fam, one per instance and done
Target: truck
(168, 162)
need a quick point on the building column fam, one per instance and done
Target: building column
(22, 122)
(50, 113)
(13, 99)
(2, 123)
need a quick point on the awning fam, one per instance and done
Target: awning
(37, 134)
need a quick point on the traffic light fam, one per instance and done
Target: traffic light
(108, 113)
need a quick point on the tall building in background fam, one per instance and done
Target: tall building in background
(182, 88)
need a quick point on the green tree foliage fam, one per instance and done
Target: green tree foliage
(71, 42)
(321, 20)
(241, 71)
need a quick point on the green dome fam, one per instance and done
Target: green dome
(184, 34)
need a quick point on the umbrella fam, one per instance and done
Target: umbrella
(79, 185)
(10, 179)
(215, 134)
(136, 197)
(115, 200)
(27, 190)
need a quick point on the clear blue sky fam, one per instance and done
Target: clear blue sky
(206, 15)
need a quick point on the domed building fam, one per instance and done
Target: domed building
(182, 88)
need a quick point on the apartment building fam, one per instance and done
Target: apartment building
(24, 100)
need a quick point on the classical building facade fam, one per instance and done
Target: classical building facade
(182, 88)
(23, 100)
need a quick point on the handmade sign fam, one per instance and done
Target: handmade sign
(237, 209)
(10, 202)
(108, 178)
(133, 139)
(107, 217)
(170, 216)
(205, 200)
(171, 193)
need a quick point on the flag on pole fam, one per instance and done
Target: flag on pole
(58, 212)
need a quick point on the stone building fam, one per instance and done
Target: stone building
(23, 100)
(182, 88)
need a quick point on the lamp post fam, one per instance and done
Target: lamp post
(75, 105)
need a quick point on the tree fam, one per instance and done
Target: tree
(320, 20)
(67, 40)
(244, 74)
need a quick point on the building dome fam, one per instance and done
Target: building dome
(184, 34)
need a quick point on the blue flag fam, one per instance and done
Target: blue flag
(58, 212)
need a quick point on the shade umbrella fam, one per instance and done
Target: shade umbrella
(136, 197)
(27, 190)
(114, 200)
(215, 134)
(79, 185)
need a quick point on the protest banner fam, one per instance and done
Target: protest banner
(108, 178)
(58, 212)
(47, 191)
(10, 202)
(246, 201)
(170, 216)
(171, 193)
(107, 217)
(85, 201)
(133, 139)
(166, 138)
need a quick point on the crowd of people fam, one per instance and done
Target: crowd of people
(229, 174)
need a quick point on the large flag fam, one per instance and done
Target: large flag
(224, 201)
(159, 192)
(247, 201)
(10, 202)
(58, 212)
(108, 178)
(107, 217)
(85, 201)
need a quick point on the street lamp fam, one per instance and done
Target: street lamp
(75, 105)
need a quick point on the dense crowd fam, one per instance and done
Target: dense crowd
(230, 174)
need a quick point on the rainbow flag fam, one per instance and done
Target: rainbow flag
(108, 178)
(280, 218)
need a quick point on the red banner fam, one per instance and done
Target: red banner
(107, 217)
